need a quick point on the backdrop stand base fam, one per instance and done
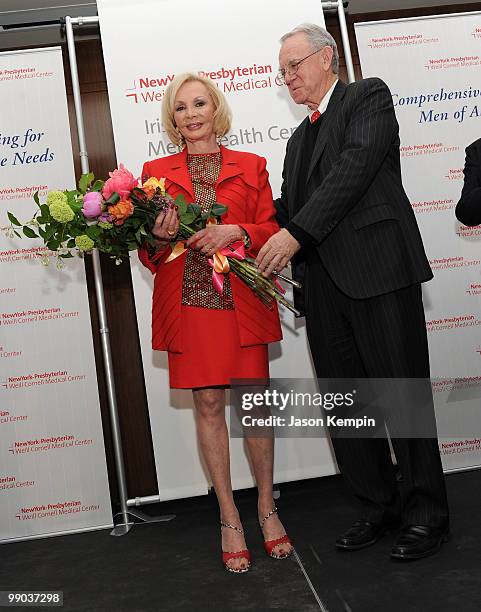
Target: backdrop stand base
(146, 518)
(123, 527)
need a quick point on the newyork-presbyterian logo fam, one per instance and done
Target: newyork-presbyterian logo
(25, 192)
(454, 322)
(453, 263)
(442, 385)
(46, 444)
(38, 379)
(469, 232)
(54, 510)
(9, 482)
(457, 447)
(429, 148)
(476, 33)
(448, 385)
(230, 79)
(454, 174)
(433, 206)
(6, 417)
(22, 73)
(401, 40)
(22, 317)
(9, 353)
(17, 255)
(474, 289)
(445, 63)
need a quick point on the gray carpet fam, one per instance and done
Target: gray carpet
(176, 565)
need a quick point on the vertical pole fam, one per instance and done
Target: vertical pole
(345, 41)
(124, 526)
(339, 5)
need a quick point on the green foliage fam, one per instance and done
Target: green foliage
(218, 210)
(63, 228)
(181, 203)
(28, 231)
(85, 181)
(74, 201)
(114, 198)
(13, 220)
(116, 240)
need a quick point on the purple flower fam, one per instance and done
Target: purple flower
(92, 206)
(106, 218)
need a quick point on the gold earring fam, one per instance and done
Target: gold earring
(181, 139)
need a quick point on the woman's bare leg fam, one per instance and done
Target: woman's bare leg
(261, 451)
(214, 444)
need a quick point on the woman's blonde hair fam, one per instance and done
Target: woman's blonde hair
(222, 113)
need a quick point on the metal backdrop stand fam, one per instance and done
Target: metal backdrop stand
(341, 13)
(123, 526)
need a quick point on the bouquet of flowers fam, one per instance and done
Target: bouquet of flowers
(118, 215)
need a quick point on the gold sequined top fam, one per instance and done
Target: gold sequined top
(197, 287)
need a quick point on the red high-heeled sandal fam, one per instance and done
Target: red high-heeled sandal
(269, 545)
(241, 554)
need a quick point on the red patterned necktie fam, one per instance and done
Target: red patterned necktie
(315, 116)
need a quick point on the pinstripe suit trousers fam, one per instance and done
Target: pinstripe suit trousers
(378, 337)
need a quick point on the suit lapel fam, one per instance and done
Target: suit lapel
(296, 163)
(179, 173)
(229, 167)
(327, 121)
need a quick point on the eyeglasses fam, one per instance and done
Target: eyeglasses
(293, 67)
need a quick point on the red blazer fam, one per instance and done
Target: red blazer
(243, 186)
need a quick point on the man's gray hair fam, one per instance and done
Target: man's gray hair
(318, 37)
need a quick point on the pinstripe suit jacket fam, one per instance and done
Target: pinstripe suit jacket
(357, 211)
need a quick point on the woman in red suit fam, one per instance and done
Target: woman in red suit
(212, 338)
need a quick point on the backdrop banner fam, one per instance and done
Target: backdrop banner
(53, 476)
(145, 45)
(432, 65)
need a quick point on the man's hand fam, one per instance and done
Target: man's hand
(277, 252)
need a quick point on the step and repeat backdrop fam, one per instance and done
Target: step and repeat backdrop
(53, 476)
(432, 66)
(145, 45)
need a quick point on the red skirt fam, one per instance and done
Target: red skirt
(212, 354)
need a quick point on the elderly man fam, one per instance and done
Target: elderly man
(349, 228)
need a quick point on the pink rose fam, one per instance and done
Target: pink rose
(121, 181)
(92, 204)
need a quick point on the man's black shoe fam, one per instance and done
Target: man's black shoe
(417, 541)
(361, 535)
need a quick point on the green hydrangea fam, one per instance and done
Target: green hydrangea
(59, 208)
(105, 225)
(84, 243)
(56, 197)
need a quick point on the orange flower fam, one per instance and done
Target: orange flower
(150, 186)
(121, 211)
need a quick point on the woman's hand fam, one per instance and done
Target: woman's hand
(167, 224)
(215, 237)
